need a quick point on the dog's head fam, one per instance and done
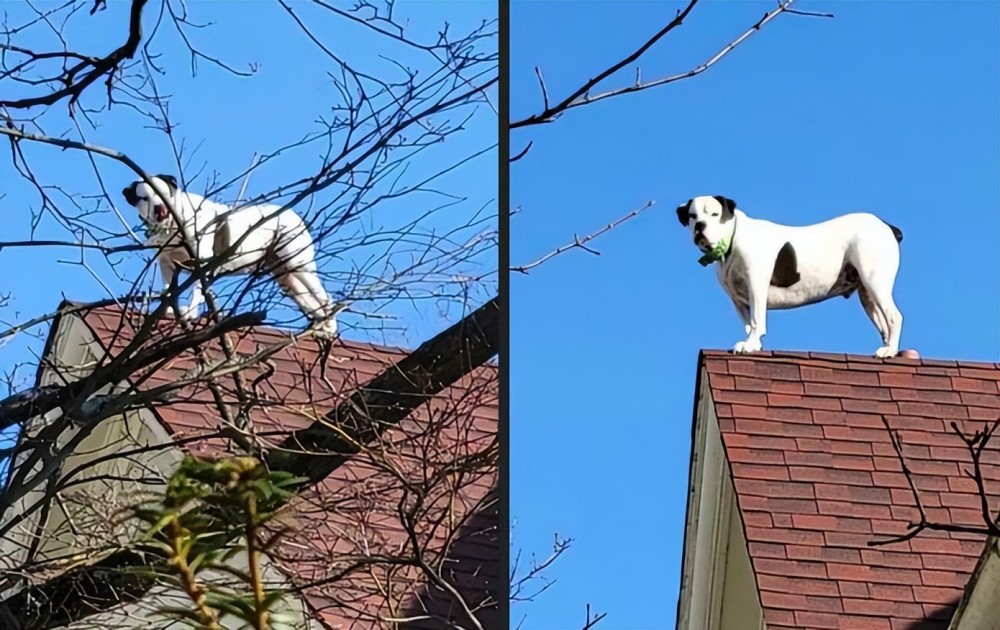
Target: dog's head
(709, 219)
(151, 208)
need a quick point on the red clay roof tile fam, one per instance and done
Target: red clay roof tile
(817, 479)
(353, 512)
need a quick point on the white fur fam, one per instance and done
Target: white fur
(862, 240)
(279, 240)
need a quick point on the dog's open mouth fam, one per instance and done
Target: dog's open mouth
(702, 242)
(161, 213)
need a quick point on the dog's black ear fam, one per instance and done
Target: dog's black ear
(683, 212)
(728, 205)
(170, 181)
(129, 193)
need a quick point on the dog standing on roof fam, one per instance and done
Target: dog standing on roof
(276, 242)
(764, 265)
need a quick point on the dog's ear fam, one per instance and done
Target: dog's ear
(683, 211)
(129, 193)
(170, 181)
(728, 205)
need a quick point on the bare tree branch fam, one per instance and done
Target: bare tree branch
(975, 444)
(88, 70)
(581, 243)
(582, 96)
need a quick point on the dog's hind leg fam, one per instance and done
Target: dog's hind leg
(874, 314)
(300, 286)
(876, 258)
(879, 293)
(326, 318)
(291, 283)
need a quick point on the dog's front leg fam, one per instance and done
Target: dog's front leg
(190, 312)
(167, 273)
(205, 254)
(744, 312)
(758, 281)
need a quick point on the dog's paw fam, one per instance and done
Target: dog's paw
(326, 328)
(189, 313)
(747, 347)
(169, 313)
(886, 352)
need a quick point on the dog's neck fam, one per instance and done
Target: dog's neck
(721, 251)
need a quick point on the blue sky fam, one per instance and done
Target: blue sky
(223, 120)
(890, 107)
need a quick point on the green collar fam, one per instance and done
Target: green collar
(718, 253)
(721, 250)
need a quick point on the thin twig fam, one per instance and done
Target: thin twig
(582, 242)
(523, 152)
(592, 619)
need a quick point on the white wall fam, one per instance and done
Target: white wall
(718, 587)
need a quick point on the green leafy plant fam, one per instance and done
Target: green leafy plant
(240, 493)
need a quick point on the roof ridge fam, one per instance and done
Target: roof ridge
(795, 357)
(81, 309)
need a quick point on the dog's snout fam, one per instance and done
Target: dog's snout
(700, 226)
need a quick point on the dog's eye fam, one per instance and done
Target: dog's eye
(715, 214)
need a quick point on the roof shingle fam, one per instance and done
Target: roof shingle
(354, 513)
(817, 479)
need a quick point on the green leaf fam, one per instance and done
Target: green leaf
(241, 575)
(241, 606)
(270, 599)
(183, 613)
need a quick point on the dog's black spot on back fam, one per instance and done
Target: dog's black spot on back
(786, 268)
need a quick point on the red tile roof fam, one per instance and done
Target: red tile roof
(817, 479)
(354, 511)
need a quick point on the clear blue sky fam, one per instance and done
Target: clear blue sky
(891, 107)
(223, 120)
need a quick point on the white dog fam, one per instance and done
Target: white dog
(276, 242)
(765, 265)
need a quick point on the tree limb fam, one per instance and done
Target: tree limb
(98, 67)
(36, 401)
(975, 444)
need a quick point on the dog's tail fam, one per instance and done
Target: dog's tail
(898, 233)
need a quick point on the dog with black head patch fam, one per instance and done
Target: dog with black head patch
(764, 265)
(260, 237)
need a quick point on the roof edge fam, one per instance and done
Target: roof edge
(989, 547)
(51, 338)
(692, 493)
